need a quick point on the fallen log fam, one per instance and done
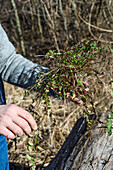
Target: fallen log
(64, 158)
(99, 151)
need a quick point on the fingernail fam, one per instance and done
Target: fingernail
(35, 128)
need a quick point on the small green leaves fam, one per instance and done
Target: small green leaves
(25, 98)
(109, 123)
(30, 143)
(79, 82)
(33, 167)
(85, 74)
(87, 89)
(34, 156)
(84, 99)
(34, 147)
(105, 48)
(70, 66)
(66, 78)
(51, 51)
(109, 127)
(36, 140)
(28, 157)
(109, 63)
(26, 93)
(111, 50)
(112, 93)
(29, 148)
(32, 161)
(36, 132)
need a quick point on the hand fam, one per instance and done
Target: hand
(74, 98)
(14, 120)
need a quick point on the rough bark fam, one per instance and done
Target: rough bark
(89, 150)
(64, 158)
(99, 152)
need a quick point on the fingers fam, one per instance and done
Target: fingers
(14, 120)
(15, 129)
(22, 124)
(74, 99)
(6, 132)
(78, 101)
(28, 117)
(16, 112)
(11, 126)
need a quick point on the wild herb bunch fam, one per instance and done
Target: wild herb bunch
(66, 79)
(67, 72)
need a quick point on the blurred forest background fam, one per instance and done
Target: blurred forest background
(35, 26)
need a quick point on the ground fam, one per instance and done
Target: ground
(64, 113)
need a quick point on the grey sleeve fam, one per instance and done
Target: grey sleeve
(14, 68)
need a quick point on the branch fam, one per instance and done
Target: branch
(93, 26)
(18, 27)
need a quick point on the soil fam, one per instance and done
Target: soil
(52, 131)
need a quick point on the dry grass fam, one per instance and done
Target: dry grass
(51, 137)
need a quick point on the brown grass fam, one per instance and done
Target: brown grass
(51, 137)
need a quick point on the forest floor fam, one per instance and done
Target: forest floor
(64, 113)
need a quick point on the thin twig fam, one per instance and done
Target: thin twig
(93, 26)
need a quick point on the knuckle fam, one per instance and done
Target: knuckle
(1, 128)
(26, 127)
(12, 106)
(9, 110)
(27, 115)
(4, 119)
(19, 132)
(28, 131)
(7, 134)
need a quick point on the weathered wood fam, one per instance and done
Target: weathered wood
(99, 151)
(62, 158)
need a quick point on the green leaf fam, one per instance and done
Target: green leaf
(33, 168)
(87, 89)
(109, 116)
(34, 156)
(108, 124)
(25, 98)
(29, 148)
(31, 164)
(32, 161)
(84, 99)
(71, 90)
(109, 63)
(36, 140)
(111, 50)
(70, 66)
(105, 48)
(79, 82)
(109, 131)
(28, 157)
(51, 51)
(30, 143)
(26, 93)
(36, 132)
(112, 93)
(85, 74)
(54, 122)
(34, 147)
